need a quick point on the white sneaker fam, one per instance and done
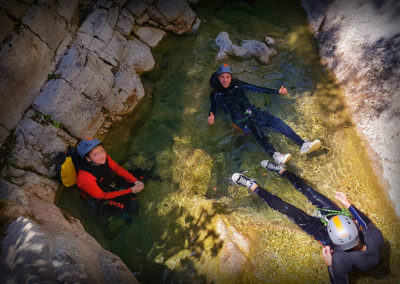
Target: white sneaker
(240, 179)
(280, 158)
(309, 147)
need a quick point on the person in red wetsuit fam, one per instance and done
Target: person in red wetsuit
(103, 181)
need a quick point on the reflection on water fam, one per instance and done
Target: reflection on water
(194, 226)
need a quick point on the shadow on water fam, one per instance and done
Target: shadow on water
(176, 237)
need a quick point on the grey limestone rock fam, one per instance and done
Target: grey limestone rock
(149, 35)
(37, 144)
(57, 250)
(80, 115)
(22, 74)
(45, 22)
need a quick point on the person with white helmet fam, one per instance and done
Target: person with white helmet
(108, 185)
(348, 243)
(229, 95)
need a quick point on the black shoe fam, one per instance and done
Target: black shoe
(271, 166)
(240, 179)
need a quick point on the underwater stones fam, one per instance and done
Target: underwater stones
(37, 144)
(247, 49)
(233, 257)
(192, 170)
(149, 35)
(60, 100)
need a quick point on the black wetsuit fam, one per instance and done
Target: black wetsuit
(245, 115)
(342, 261)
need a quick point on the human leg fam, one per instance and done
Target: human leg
(268, 147)
(316, 198)
(279, 125)
(311, 225)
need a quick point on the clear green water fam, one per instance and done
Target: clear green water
(177, 236)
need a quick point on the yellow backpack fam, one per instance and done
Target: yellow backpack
(66, 167)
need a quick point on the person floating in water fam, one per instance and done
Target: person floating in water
(229, 95)
(104, 183)
(347, 243)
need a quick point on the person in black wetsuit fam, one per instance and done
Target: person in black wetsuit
(347, 243)
(229, 95)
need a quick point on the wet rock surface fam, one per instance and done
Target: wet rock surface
(359, 42)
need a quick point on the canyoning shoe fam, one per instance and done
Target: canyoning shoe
(310, 146)
(240, 179)
(280, 158)
(271, 166)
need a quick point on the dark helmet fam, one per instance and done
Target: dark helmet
(224, 68)
(343, 232)
(87, 145)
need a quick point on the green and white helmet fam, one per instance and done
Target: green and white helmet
(343, 232)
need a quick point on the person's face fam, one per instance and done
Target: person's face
(225, 79)
(97, 156)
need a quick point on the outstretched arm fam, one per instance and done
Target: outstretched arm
(362, 219)
(254, 88)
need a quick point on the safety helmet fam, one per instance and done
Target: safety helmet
(343, 232)
(224, 68)
(87, 145)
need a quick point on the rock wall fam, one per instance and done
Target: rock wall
(360, 42)
(69, 69)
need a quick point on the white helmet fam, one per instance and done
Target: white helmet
(343, 232)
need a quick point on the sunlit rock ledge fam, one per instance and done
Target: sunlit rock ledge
(359, 42)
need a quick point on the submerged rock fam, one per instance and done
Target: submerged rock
(247, 49)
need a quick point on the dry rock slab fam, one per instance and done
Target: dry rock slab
(22, 74)
(80, 115)
(37, 144)
(149, 35)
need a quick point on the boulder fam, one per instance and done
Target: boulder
(31, 184)
(125, 23)
(149, 35)
(57, 250)
(138, 7)
(37, 145)
(126, 93)
(248, 48)
(233, 257)
(86, 73)
(38, 19)
(98, 29)
(25, 62)
(60, 100)
(138, 55)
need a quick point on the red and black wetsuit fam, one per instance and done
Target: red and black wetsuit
(100, 183)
